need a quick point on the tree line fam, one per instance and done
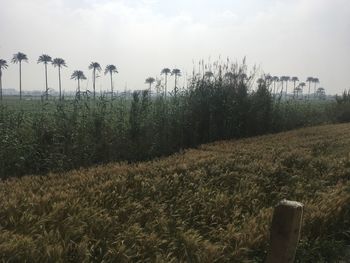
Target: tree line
(215, 105)
(272, 81)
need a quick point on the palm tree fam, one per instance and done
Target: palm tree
(294, 80)
(111, 69)
(78, 75)
(309, 79)
(302, 85)
(166, 72)
(321, 93)
(282, 79)
(150, 81)
(177, 73)
(95, 67)
(298, 90)
(315, 81)
(274, 80)
(18, 58)
(59, 62)
(45, 59)
(3, 65)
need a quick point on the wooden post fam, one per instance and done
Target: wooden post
(285, 232)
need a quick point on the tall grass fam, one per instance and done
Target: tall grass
(56, 136)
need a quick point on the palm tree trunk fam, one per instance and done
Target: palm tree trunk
(59, 81)
(112, 84)
(94, 83)
(47, 89)
(78, 88)
(20, 80)
(308, 95)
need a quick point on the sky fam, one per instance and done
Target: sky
(281, 37)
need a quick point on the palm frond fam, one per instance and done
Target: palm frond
(95, 65)
(59, 62)
(19, 57)
(3, 64)
(111, 69)
(77, 75)
(165, 71)
(44, 59)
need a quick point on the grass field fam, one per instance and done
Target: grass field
(210, 204)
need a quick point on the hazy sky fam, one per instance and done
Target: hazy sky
(283, 37)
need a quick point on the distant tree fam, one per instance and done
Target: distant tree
(78, 75)
(309, 79)
(150, 81)
(275, 79)
(18, 58)
(59, 63)
(294, 80)
(315, 81)
(282, 79)
(3, 65)
(166, 72)
(321, 93)
(177, 73)
(111, 69)
(95, 67)
(45, 59)
(301, 86)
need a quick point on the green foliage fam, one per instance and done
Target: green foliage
(39, 137)
(342, 108)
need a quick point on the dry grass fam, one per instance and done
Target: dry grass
(211, 204)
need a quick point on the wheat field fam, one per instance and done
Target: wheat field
(210, 204)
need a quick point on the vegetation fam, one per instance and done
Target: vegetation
(45, 59)
(59, 63)
(111, 69)
(78, 75)
(39, 137)
(3, 65)
(17, 59)
(96, 67)
(211, 204)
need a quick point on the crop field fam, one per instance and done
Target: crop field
(209, 204)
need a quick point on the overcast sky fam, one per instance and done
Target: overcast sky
(283, 37)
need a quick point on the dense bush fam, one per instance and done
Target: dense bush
(37, 137)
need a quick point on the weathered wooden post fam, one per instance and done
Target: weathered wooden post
(285, 232)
